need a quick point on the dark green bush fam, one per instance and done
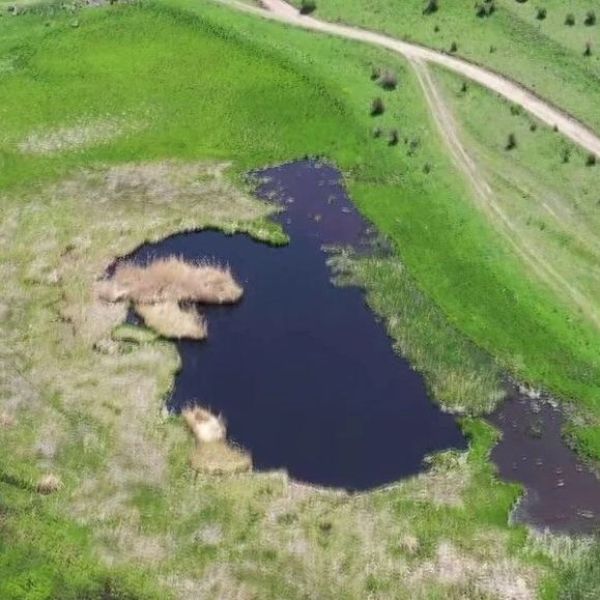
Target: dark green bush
(307, 7)
(377, 107)
(388, 80)
(431, 6)
(590, 18)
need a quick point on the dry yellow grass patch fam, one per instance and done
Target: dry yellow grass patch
(172, 280)
(6, 421)
(205, 426)
(48, 484)
(80, 135)
(213, 455)
(172, 320)
(498, 577)
(220, 458)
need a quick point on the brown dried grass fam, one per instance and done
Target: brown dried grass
(6, 421)
(48, 484)
(213, 455)
(172, 320)
(205, 426)
(171, 280)
(220, 458)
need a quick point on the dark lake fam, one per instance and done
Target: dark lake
(302, 371)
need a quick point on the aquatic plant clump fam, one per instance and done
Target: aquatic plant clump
(205, 426)
(220, 458)
(213, 454)
(171, 280)
(172, 320)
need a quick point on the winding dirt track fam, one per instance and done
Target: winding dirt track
(278, 10)
(485, 197)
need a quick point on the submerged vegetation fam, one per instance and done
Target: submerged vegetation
(82, 394)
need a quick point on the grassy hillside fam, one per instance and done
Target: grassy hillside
(118, 123)
(546, 55)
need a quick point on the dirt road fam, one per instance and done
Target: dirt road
(484, 196)
(570, 127)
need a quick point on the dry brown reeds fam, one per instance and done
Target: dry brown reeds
(205, 426)
(171, 279)
(48, 484)
(172, 320)
(6, 421)
(220, 458)
(213, 455)
(159, 290)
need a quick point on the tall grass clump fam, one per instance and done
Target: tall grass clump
(172, 320)
(213, 455)
(171, 279)
(461, 378)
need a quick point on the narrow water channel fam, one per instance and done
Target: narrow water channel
(302, 371)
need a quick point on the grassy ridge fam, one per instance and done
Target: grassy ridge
(544, 55)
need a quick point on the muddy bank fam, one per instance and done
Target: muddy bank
(302, 371)
(561, 493)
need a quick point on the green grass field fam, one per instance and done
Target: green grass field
(544, 55)
(117, 122)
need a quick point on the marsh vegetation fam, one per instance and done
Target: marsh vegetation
(82, 393)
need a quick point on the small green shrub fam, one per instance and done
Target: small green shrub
(388, 80)
(431, 7)
(515, 110)
(590, 18)
(570, 19)
(307, 7)
(485, 9)
(511, 141)
(541, 14)
(377, 107)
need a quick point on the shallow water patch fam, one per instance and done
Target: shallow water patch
(302, 371)
(561, 493)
